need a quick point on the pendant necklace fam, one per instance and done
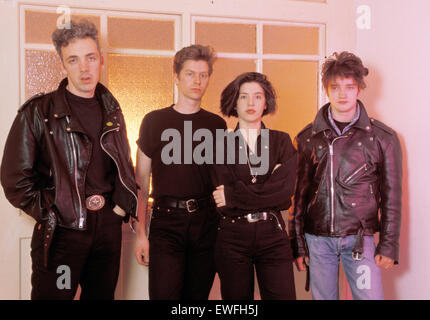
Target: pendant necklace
(254, 176)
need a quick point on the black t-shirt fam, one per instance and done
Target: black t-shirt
(182, 178)
(341, 125)
(101, 170)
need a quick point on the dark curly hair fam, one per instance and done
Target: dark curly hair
(345, 65)
(230, 94)
(78, 30)
(194, 52)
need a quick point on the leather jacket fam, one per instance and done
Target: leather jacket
(47, 154)
(344, 181)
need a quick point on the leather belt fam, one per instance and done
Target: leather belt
(190, 205)
(95, 202)
(357, 251)
(258, 216)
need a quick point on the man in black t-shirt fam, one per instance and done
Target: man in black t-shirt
(67, 164)
(183, 228)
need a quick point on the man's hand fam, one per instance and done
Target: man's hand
(219, 196)
(383, 261)
(141, 250)
(301, 263)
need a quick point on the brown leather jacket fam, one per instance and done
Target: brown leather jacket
(47, 154)
(343, 182)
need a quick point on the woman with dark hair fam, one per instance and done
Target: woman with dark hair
(251, 192)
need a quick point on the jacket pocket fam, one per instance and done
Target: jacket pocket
(356, 174)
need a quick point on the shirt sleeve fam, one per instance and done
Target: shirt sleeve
(276, 191)
(146, 142)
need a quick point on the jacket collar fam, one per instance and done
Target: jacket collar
(263, 126)
(321, 120)
(61, 107)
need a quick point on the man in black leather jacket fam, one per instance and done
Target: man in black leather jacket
(349, 187)
(67, 164)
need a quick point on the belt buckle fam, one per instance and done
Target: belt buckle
(189, 205)
(254, 217)
(95, 202)
(357, 256)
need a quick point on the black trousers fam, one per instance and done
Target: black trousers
(241, 246)
(181, 254)
(90, 258)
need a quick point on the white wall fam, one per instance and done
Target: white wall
(397, 50)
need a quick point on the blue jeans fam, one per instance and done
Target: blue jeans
(364, 277)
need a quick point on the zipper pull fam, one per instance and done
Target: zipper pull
(81, 223)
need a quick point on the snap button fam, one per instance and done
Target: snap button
(308, 140)
(353, 204)
(50, 132)
(233, 221)
(359, 144)
(371, 138)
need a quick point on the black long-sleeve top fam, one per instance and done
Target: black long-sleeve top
(272, 190)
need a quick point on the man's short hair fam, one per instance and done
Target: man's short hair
(78, 30)
(230, 94)
(194, 52)
(344, 65)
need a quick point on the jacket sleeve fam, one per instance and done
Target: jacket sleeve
(275, 192)
(391, 200)
(23, 186)
(300, 200)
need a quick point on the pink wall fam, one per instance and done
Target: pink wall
(397, 51)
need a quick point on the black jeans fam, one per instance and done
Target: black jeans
(181, 254)
(90, 258)
(242, 245)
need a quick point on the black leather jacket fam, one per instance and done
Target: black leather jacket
(47, 154)
(344, 181)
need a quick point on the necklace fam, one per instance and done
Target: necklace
(254, 176)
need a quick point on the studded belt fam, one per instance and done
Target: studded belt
(257, 216)
(190, 205)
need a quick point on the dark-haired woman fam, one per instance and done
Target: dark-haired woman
(255, 183)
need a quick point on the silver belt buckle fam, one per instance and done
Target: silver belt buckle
(191, 205)
(254, 217)
(95, 202)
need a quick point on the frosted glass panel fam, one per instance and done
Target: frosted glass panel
(39, 25)
(42, 72)
(290, 40)
(227, 37)
(141, 84)
(225, 71)
(296, 84)
(141, 34)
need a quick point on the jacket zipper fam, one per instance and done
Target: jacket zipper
(116, 163)
(332, 182)
(81, 214)
(356, 172)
